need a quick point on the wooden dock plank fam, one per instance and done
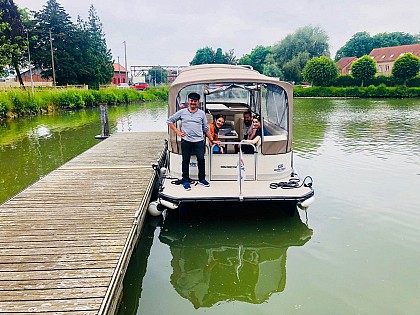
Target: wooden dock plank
(65, 240)
(29, 307)
(48, 284)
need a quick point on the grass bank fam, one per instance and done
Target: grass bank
(18, 103)
(372, 91)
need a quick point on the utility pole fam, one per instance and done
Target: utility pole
(52, 59)
(125, 61)
(30, 66)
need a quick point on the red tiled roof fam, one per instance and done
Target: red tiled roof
(390, 54)
(343, 62)
(119, 68)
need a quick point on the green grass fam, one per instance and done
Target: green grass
(18, 103)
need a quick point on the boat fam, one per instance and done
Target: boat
(267, 173)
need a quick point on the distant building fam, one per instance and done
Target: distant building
(120, 74)
(344, 64)
(36, 76)
(386, 56)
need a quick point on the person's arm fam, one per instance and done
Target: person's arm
(175, 129)
(210, 137)
(252, 141)
(253, 133)
(171, 123)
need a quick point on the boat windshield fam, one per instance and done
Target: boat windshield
(226, 93)
(229, 93)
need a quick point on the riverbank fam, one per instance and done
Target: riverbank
(18, 103)
(372, 91)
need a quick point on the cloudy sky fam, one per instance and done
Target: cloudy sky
(169, 32)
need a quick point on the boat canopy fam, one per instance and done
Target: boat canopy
(233, 90)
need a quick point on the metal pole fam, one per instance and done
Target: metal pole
(52, 59)
(104, 121)
(119, 70)
(125, 62)
(29, 61)
(240, 172)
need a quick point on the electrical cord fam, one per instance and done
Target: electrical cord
(293, 183)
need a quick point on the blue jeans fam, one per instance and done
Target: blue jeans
(188, 149)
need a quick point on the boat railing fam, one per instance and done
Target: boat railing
(240, 162)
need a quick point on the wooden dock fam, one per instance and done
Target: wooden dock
(65, 241)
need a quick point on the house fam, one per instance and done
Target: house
(120, 74)
(386, 56)
(344, 64)
(36, 76)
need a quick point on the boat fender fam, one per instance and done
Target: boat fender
(162, 171)
(306, 203)
(168, 204)
(154, 209)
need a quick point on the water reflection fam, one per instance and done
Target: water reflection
(151, 117)
(242, 259)
(41, 131)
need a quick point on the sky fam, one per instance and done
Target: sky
(169, 32)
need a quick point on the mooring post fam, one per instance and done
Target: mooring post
(104, 121)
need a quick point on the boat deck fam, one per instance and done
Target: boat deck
(229, 190)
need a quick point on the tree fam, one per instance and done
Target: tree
(207, 55)
(256, 58)
(363, 68)
(245, 60)
(406, 67)
(320, 71)
(157, 75)
(271, 69)
(13, 40)
(293, 68)
(4, 48)
(362, 43)
(312, 40)
(54, 20)
(203, 56)
(93, 58)
(218, 57)
(230, 57)
(394, 39)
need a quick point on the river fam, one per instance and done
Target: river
(355, 252)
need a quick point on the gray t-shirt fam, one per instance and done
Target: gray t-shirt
(194, 125)
(248, 131)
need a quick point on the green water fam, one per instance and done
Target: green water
(357, 252)
(32, 147)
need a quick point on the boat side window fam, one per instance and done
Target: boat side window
(275, 108)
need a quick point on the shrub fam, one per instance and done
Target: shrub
(414, 82)
(88, 98)
(70, 99)
(381, 91)
(345, 80)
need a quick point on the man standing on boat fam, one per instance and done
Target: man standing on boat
(193, 127)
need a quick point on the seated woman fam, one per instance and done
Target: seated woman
(218, 122)
(255, 136)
